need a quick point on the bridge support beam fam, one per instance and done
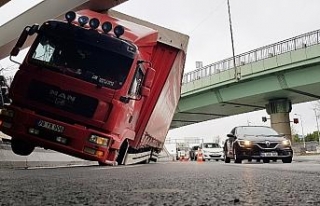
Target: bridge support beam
(279, 110)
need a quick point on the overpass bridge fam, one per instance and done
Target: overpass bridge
(272, 77)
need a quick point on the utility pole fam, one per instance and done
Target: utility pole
(315, 113)
(237, 74)
(304, 141)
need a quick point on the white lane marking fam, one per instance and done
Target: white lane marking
(55, 167)
(96, 167)
(127, 166)
(115, 167)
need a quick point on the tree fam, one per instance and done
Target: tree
(294, 134)
(296, 138)
(312, 137)
(316, 107)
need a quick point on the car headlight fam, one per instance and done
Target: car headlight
(286, 143)
(245, 143)
(98, 140)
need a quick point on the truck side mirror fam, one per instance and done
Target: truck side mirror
(28, 31)
(150, 74)
(148, 80)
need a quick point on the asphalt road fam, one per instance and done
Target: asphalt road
(174, 183)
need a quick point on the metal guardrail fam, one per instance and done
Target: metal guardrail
(294, 43)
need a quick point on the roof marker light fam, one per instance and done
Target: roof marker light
(70, 16)
(118, 30)
(94, 23)
(83, 20)
(106, 27)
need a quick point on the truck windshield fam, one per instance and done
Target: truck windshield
(92, 62)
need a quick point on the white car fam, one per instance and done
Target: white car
(212, 151)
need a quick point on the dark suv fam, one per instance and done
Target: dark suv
(257, 142)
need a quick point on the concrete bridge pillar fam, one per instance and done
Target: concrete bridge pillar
(279, 110)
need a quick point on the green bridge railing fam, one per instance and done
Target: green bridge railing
(294, 43)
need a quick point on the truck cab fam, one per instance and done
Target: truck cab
(87, 87)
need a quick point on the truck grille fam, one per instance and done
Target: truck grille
(62, 99)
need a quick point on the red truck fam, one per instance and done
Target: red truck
(96, 87)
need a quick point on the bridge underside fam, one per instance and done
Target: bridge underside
(297, 84)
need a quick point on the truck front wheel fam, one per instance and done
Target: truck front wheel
(21, 147)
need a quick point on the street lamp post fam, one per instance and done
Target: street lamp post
(315, 113)
(303, 138)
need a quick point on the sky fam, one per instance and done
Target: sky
(255, 23)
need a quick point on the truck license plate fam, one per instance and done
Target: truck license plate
(269, 154)
(50, 126)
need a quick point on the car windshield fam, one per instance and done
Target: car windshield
(256, 131)
(211, 145)
(78, 58)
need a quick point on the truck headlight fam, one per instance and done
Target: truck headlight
(99, 140)
(286, 142)
(244, 143)
(7, 113)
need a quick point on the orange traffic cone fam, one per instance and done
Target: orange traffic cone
(199, 156)
(181, 158)
(186, 158)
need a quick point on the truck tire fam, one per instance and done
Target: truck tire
(147, 161)
(266, 160)
(21, 147)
